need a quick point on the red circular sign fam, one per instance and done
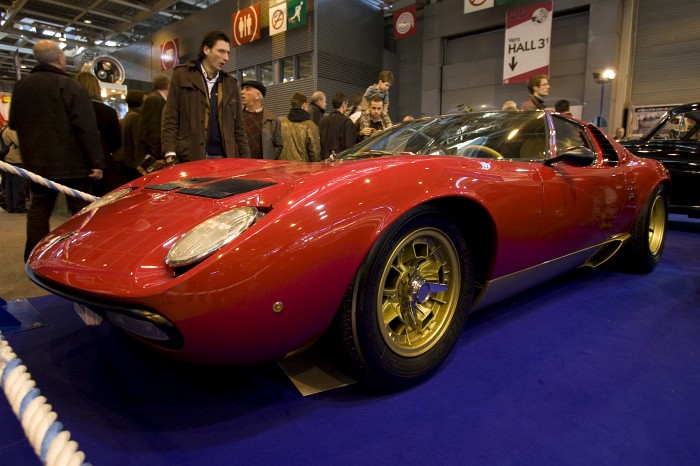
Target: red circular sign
(246, 25)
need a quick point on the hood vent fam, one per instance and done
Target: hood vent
(225, 188)
(172, 186)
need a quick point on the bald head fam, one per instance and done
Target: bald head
(48, 52)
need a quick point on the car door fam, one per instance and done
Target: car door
(582, 206)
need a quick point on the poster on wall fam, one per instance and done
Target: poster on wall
(278, 18)
(245, 25)
(528, 32)
(296, 12)
(470, 6)
(285, 16)
(169, 54)
(642, 119)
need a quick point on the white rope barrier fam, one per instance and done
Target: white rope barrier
(27, 175)
(50, 442)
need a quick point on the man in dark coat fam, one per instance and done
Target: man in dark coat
(337, 130)
(538, 86)
(317, 106)
(203, 116)
(55, 121)
(262, 127)
(151, 114)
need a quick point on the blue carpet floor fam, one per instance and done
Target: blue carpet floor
(595, 368)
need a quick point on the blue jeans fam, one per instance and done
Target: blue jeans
(14, 191)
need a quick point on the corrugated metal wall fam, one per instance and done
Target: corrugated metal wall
(349, 51)
(348, 56)
(408, 74)
(473, 70)
(667, 53)
(142, 61)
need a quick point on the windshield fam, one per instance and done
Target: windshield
(491, 135)
(683, 126)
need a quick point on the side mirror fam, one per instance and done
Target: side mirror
(577, 156)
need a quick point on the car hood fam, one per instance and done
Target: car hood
(124, 243)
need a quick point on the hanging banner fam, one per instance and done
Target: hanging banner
(18, 64)
(169, 54)
(527, 44)
(296, 12)
(405, 22)
(245, 25)
(278, 18)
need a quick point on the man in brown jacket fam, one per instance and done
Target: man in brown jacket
(301, 139)
(203, 116)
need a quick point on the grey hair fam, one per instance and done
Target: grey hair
(47, 52)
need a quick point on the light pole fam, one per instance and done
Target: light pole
(602, 78)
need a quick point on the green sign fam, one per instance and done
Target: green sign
(296, 13)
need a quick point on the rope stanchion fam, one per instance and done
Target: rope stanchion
(27, 175)
(50, 442)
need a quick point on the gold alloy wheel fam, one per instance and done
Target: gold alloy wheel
(418, 292)
(657, 225)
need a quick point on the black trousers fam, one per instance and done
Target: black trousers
(43, 200)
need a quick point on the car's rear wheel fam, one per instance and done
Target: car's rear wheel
(408, 303)
(646, 246)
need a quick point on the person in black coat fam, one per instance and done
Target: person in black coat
(152, 113)
(110, 134)
(58, 134)
(337, 130)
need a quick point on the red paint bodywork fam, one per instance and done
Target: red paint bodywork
(321, 221)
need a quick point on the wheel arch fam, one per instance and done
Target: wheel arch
(478, 228)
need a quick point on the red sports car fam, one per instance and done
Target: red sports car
(389, 244)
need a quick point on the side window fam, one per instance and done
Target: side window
(569, 134)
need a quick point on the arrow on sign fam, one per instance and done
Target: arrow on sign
(512, 63)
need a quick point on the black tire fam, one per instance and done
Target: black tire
(644, 249)
(408, 303)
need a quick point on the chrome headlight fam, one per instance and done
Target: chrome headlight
(210, 235)
(104, 200)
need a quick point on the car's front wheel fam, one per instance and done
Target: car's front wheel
(408, 303)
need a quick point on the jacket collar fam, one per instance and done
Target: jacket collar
(49, 68)
(298, 115)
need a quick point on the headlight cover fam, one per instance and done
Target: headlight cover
(210, 235)
(104, 200)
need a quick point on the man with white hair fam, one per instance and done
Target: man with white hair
(58, 136)
(261, 126)
(317, 106)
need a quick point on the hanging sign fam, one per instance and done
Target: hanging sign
(527, 43)
(245, 25)
(169, 54)
(405, 22)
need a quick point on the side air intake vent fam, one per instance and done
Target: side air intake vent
(609, 152)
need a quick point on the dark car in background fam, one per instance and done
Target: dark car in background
(675, 142)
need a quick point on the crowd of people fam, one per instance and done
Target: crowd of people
(199, 113)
